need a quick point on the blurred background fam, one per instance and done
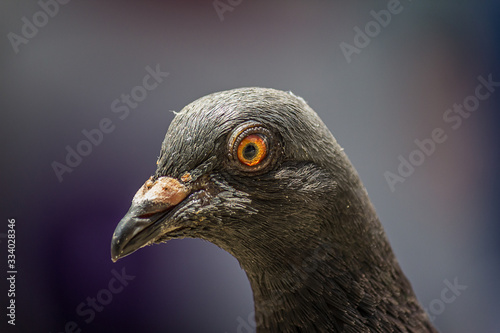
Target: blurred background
(64, 65)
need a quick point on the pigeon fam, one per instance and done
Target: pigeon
(256, 172)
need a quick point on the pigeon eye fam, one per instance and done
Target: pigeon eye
(252, 147)
(252, 150)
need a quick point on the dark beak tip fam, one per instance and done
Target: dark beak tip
(121, 247)
(117, 254)
(114, 254)
(121, 244)
(115, 248)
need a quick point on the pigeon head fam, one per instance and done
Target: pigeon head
(244, 169)
(256, 172)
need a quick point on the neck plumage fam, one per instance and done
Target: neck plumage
(324, 266)
(330, 286)
(319, 294)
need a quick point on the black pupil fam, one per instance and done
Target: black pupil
(250, 151)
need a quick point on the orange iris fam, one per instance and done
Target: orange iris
(252, 150)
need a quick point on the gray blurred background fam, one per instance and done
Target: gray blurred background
(442, 220)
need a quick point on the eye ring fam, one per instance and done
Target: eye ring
(251, 147)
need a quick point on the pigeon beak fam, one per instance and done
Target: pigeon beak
(141, 225)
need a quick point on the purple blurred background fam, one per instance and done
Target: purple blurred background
(442, 220)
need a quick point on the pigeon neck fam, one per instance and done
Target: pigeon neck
(332, 284)
(317, 294)
(289, 300)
